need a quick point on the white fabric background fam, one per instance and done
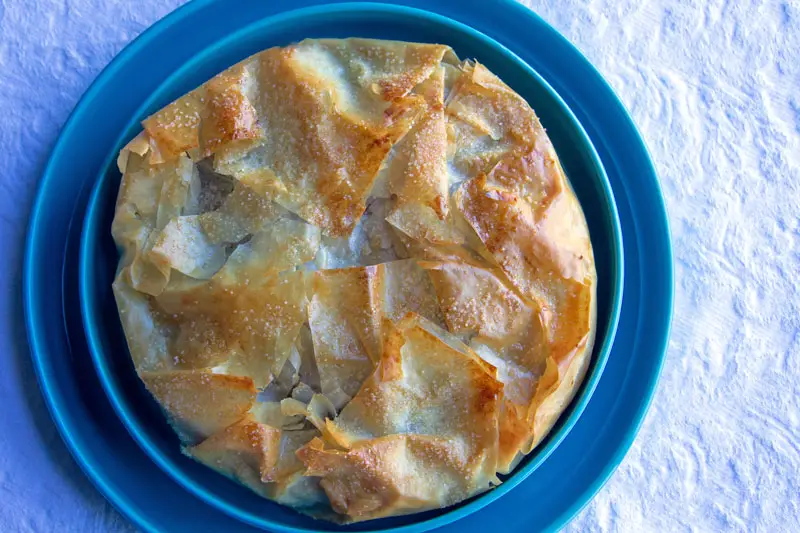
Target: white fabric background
(713, 86)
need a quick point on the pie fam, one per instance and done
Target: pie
(354, 276)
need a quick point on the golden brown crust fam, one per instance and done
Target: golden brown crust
(504, 328)
(243, 445)
(418, 375)
(344, 315)
(262, 458)
(228, 116)
(392, 475)
(434, 406)
(475, 300)
(407, 288)
(174, 129)
(417, 173)
(200, 403)
(323, 162)
(354, 276)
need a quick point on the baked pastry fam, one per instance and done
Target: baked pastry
(354, 276)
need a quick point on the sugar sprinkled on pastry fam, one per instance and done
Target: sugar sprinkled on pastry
(354, 276)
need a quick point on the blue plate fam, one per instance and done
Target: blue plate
(572, 474)
(99, 256)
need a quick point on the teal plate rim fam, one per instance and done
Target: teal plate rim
(89, 253)
(623, 153)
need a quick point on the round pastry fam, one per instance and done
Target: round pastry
(354, 276)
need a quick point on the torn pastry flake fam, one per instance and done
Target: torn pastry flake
(200, 403)
(345, 319)
(253, 326)
(262, 458)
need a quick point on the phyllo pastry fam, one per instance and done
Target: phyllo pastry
(354, 276)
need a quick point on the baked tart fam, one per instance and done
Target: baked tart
(354, 276)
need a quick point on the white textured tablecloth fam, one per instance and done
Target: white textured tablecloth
(714, 86)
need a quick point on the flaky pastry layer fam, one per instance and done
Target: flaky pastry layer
(354, 276)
